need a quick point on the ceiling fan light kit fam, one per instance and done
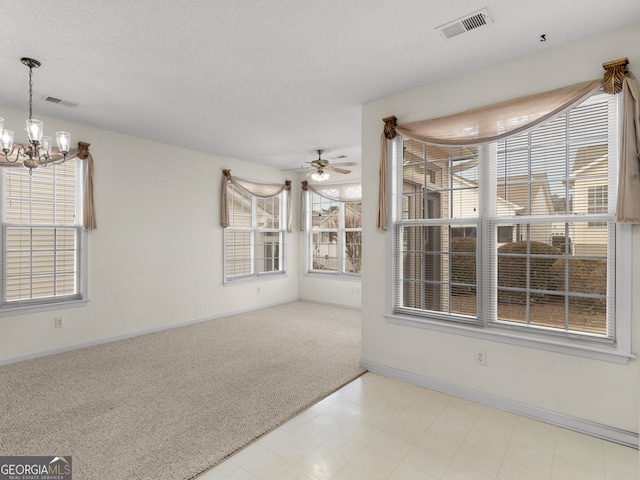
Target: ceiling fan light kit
(319, 176)
(37, 152)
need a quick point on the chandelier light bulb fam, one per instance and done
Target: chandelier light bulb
(46, 144)
(35, 129)
(64, 142)
(6, 141)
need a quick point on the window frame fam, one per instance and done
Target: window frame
(78, 299)
(341, 232)
(618, 350)
(255, 233)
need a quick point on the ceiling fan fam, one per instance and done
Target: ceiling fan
(320, 167)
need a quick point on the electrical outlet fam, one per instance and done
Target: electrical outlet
(59, 322)
(480, 357)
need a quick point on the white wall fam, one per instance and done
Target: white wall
(596, 391)
(156, 257)
(331, 290)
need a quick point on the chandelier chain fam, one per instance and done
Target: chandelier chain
(30, 92)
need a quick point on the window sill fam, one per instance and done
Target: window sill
(529, 340)
(43, 307)
(254, 278)
(333, 276)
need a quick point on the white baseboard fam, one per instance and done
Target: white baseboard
(137, 333)
(598, 430)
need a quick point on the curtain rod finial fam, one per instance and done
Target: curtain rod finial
(83, 150)
(614, 73)
(390, 124)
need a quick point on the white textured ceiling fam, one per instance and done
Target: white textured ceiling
(266, 81)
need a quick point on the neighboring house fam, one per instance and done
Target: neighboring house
(589, 182)
(515, 191)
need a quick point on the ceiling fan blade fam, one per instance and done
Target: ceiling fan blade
(299, 169)
(338, 170)
(345, 164)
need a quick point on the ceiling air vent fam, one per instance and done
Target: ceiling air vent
(468, 22)
(66, 103)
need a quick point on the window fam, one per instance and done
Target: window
(598, 202)
(503, 239)
(335, 237)
(42, 239)
(254, 239)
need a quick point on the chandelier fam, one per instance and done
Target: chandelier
(38, 151)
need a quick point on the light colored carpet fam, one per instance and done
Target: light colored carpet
(172, 404)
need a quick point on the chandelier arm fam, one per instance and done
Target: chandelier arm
(55, 160)
(9, 155)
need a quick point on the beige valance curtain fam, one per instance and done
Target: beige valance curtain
(261, 190)
(338, 192)
(89, 209)
(628, 202)
(495, 122)
(82, 152)
(502, 120)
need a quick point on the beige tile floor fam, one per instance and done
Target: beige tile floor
(378, 428)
